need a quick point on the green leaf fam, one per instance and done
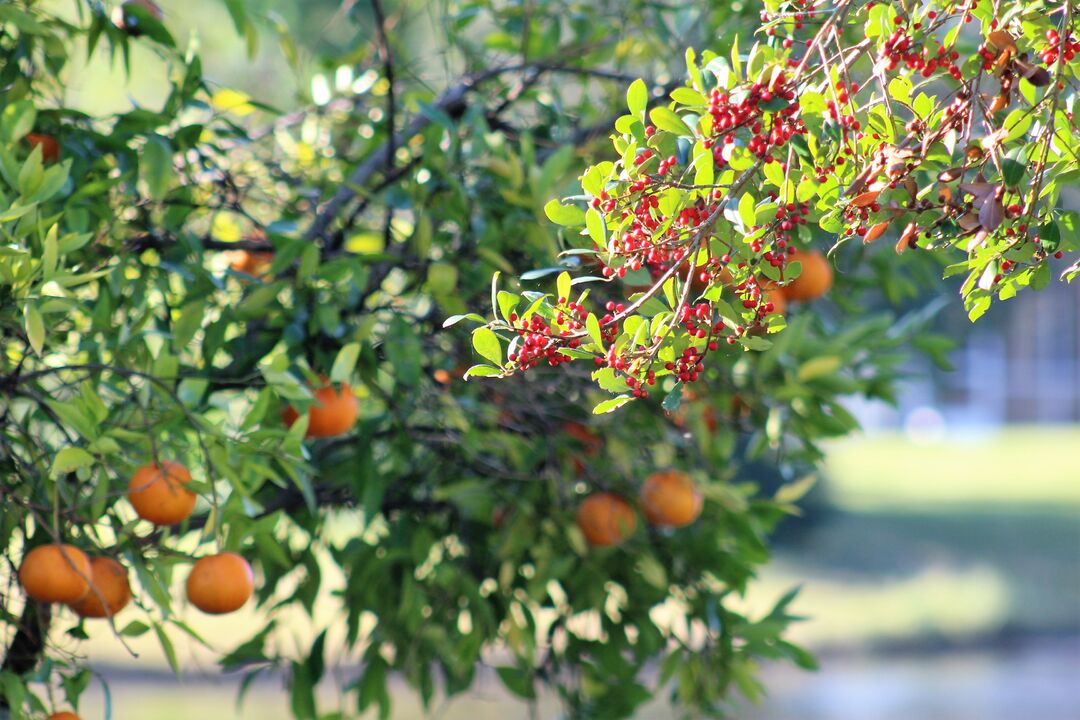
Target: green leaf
(482, 371)
(455, 319)
(673, 399)
(652, 571)
(746, 210)
(562, 285)
(795, 491)
(135, 628)
(13, 691)
(1012, 172)
(32, 173)
(637, 98)
(70, 459)
(612, 404)
(596, 227)
(592, 326)
(167, 648)
(736, 60)
(900, 89)
(155, 166)
(687, 96)
(17, 120)
(487, 345)
(189, 322)
(666, 119)
(35, 327)
(345, 363)
(819, 367)
(517, 681)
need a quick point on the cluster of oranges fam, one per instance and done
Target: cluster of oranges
(99, 588)
(668, 499)
(159, 493)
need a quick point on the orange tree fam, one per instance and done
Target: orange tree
(227, 331)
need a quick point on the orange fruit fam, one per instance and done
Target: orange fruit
(606, 519)
(334, 412)
(221, 583)
(158, 494)
(50, 148)
(64, 715)
(778, 299)
(55, 573)
(251, 262)
(814, 280)
(127, 21)
(670, 499)
(108, 582)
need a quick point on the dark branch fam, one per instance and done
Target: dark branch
(29, 642)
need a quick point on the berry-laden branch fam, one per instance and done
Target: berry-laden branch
(842, 122)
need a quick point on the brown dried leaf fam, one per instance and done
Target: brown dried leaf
(912, 188)
(1000, 103)
(974, 152)
(866, 199)
(1002, 40)
(1035, 74)
(860, 180)
(991, 215)
(897, 169)
(908, 238)
(969, 222)
(876, 231)
(1002, 62)
(981, 190)
(947, 176)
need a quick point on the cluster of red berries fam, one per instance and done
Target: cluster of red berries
(640, 387)
(688, 366)
(788, 217)
(694, 317)
(1070, 46)
(539, 342)
(730, 114)
(901, 48)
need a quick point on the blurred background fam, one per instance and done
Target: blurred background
(939, 555)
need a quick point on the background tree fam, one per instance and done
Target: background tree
(260, 298)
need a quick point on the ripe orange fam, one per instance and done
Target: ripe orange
(50, 148)
(126, 20)
(814, 280)
(606, 519)
(64, 715)
(158, 494)
(221, 583)
(109, 579)
(55, 573)
(334, 412)
(670, 499)
(251, 262)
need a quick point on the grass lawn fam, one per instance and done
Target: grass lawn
(1030, 467)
